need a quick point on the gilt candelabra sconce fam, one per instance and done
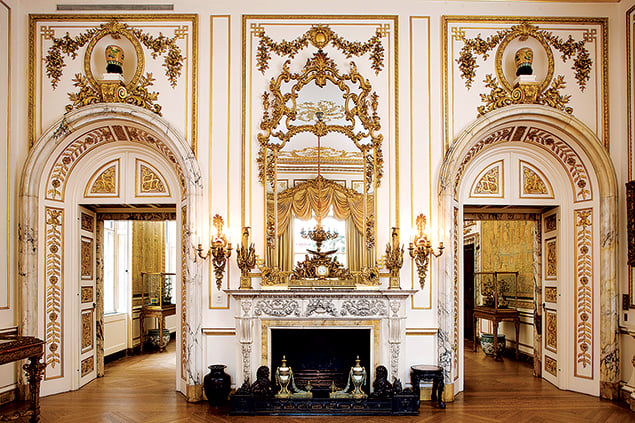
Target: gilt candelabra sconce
(394, 259)
(246, 259)
(220, 250)
(421, 249)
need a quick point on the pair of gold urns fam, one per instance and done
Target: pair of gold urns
(288, 389)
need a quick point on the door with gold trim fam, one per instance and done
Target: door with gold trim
(551, 368)
(87, 297)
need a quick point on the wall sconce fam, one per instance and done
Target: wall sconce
(422, 248)
(220, 250)
(394, 259)
(246, 259)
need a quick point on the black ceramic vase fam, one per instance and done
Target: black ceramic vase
(217, 385)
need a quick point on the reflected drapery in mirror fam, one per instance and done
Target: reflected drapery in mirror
(338, 177)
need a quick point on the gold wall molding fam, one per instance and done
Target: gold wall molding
(7, 148)
(588, 64)
(179, 53)
(184, 240)
(630, 97)
(455, 247)
(584, 293)
(54, 288)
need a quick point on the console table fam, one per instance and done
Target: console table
(497, 315)
(160, 313)
(14, 348)
(425, 372)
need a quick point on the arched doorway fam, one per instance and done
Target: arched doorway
(101, 144)
(567, 156)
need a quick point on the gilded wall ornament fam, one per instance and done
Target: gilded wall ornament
(87, 258)
(489, 183)
(320, 36)
(87, 331)
(502, 93)
(551, 324)
(88, 365)
(150, 182)
(280, 112)
(106, 182)
(533, 183)
(54, 291)
(551, 294)
(92, 91)
(584, 290)
(551, 365)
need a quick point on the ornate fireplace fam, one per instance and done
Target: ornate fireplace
(265, 314)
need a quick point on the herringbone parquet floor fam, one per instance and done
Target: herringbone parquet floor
(140, 389)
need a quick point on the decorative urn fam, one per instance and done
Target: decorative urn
(523, 59)
(114, 59)
(217, 385)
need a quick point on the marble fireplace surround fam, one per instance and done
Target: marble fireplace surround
(259, 311)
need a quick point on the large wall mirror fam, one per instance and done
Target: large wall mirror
(320, 161)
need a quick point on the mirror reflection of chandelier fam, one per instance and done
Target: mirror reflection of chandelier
(318, 234)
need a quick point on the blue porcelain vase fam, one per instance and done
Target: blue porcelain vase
(487, 343)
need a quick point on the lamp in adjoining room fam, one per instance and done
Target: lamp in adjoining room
(421, 249)
(220, 250)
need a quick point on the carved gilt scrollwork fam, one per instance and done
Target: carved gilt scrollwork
(547, 92)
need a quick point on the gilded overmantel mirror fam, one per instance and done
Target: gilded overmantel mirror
(320, 161)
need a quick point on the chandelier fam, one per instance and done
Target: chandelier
(318, 234)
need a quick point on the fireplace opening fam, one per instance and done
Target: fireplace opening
(321, 356)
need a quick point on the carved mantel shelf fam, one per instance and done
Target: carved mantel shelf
(317, 307)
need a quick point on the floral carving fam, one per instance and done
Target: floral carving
(364, 307)
(320, 36)
(584, 291)
(277, 308)
(321, 306)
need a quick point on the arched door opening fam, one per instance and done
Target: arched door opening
(105, 156)
(527, 156)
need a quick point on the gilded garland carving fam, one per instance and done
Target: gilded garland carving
(489, 183)
(87, 331)
(455, 248)
(90, 91)
(278, 107)
(551, 324)
(320, 36)
(504, 94)
(551, 365)
(184, 242)
(533, 183)
(584, 291)
(87, 365)
(551, 294)
(106, 182)
(552, 259)
(87, 258)
(54, 283)
(150, 182)
(551, 223)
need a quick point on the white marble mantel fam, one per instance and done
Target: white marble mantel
(324, 308)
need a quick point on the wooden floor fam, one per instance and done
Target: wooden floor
(141, 389)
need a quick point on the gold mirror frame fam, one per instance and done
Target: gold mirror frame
(280, 108)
